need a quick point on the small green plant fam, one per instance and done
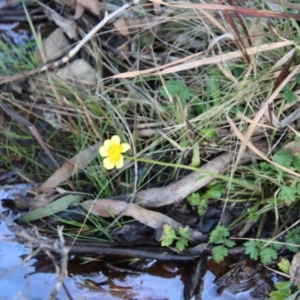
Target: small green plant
(288, 94)
(201, 201)
(289, 188)
(201, 204)
(252, 213)
(284, 289)
(169, 236)
(267, 252)
(257, 249)
(176, 88)
(293, 237)
(220, 236)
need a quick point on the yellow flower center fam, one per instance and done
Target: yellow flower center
(114, 152)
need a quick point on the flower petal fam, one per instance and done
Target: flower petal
(107, 164)
(107, 144)
(115, 139)
(120, 163)
(103, 151)
(125, 147)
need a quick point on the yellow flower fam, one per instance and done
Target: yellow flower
(112, 151)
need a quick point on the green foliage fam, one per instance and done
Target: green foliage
(256, 249)
(267, 255)
(283, 157)
(176, 88)
(296, 161)
(252, 248)
(201, 201)
(181, 244)
(288, 193)
(293, 237)
(208, 133)
(201, 204)
(220, 236)
(283, 291)
(289, 188)
(253, 215)
(284, 265)
(169, 236)
(219, 252)
(288, 95)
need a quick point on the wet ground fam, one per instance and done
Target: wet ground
(117, 278)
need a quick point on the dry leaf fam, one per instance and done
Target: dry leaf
(92, 5)
(75, 164)
(80, 71)
(69, 27)
(80, 5)
(122, 27)
(54, 46)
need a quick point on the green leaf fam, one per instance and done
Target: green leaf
(279, 295)
(176, 88)
(286, 87)
(296, 161)
(167, 241)
(283, 291)
(202, 207)
(229, 243)
(267, 255)
(276, 246)
(194, 199)
(284, 265)
(201, 211)
(168, 235)
(293, 237)
(218, 253)
(266, 166)
(283, 157)
(253, 215)
(181, 244)
(209, 133)
(288, 192)
(289, 96)
(184, 232)
(50, 209)
(252, 248)
(219, 235)
(283, 286)
(212, 194)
